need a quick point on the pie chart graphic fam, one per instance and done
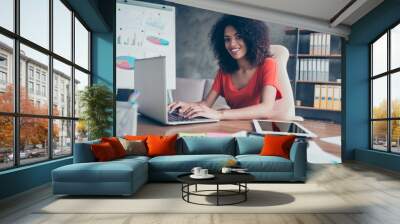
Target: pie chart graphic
(157, 41)
(126, 62)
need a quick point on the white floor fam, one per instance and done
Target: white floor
(337, 140)
(318, 156)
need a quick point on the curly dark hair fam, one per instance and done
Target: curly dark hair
(255, 35)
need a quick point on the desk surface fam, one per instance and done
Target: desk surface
(147, 126)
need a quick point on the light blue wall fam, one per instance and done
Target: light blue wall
(103, 58)
(357, 101)
(24, 178)
(380, 159)
(356, 125)
(103, 62)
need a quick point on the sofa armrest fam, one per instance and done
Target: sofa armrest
(83, 152)
(298, 155)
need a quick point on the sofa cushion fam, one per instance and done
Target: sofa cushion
(161, 145)
(135, 137)
(207, 145)
(134, 147)
(103, 152)
(112, 171)
(185, 163)
(257, 163)
(116, 145)
(277, 145)
(249, 145)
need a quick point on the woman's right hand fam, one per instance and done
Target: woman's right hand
(183, 107)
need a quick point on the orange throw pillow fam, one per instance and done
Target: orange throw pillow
(103, 152)
(161, 145)
(116, 145)
(277, 145)
(135, 138)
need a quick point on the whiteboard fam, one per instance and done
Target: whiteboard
(144, 30)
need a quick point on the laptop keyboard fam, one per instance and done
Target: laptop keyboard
(174, 116)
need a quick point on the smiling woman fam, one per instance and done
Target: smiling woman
(247, 77)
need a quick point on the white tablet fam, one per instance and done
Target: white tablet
(282, 128)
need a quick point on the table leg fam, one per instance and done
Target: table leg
(182, 190)
(188, 189)
(196, 188)
(245, 191)
(217, 194)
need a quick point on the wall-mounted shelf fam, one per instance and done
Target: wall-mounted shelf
(316, 63)
(332, 56)
(319, 82)
(301, 32)
(314, 108)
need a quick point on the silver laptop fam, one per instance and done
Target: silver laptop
(150, 81)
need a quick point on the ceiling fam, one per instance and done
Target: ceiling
(329, 16)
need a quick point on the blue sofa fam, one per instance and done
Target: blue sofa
(125, 176)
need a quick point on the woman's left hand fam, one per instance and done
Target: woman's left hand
(203, 111)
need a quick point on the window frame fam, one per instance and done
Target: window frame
(388, 74)
(15, 68)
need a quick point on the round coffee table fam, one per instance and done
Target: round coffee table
(238, 179)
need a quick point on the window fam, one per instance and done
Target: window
(395, 47)
(6, 142)
(62, 130)
(7, 14)
(38, 89)
(30, 88)
(30, 72)
(3, 72)
(81, 81)
(81, 45)
(62, 29)
(35, 21)
(3, 78)
(385, 96)
(55, 102)
(54, 126)
(40, 63)
(44, 91)
(3, 61)
(37, 74)
(33, 149)
(61, 74)
(7, 75)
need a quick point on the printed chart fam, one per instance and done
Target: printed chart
(144, 30)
